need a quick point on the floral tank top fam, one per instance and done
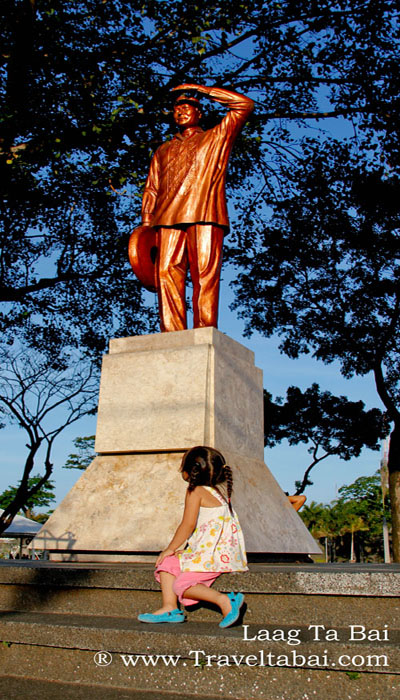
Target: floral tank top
(217, 542)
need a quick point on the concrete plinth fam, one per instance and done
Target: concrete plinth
(160, 395)
(171, 391)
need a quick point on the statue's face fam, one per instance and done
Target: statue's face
(186, 115)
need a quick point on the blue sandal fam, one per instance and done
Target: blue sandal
(172, 616)
(237, 600)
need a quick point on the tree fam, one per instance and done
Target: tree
(85, 454)
(352, 523)
(322, 269)
(314, 515)
(41, 498)
(329, 282)
(83, 86)
(318, 519)
(43, 397)
(84, 92)
(365, 499)
(332, 425)
(358, 511)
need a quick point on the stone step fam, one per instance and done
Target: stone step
(15, 688)
(299, 595)
(310, 579)
(280, 684)
(202, 643)
(262, 608)
(55, 618)
(39, 666)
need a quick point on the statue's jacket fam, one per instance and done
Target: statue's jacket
(186, 181)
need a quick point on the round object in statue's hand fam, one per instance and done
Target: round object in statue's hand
(143, 253)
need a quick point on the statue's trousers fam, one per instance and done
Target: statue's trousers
(198, 246)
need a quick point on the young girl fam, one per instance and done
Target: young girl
(215, 543)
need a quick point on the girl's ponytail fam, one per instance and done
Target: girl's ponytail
(227, 471)
(194, 477)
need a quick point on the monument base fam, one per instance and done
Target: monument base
(127, 505)
(124, 506)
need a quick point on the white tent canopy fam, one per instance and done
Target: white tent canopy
(21, 527)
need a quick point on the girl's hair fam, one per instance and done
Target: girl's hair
(206, 466)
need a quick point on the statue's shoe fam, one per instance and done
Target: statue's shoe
(172, 616)
(237, 600)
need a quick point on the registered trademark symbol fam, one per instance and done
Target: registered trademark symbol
(102, 658)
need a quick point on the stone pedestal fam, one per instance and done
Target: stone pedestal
(160, 395)
(171, 391)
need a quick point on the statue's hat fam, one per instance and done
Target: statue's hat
(185, 98)
(143, 252)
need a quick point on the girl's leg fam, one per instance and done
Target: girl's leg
(166, 574)
(169, 598)
(202, 592)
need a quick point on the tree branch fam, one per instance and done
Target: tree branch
(387, 400)
(307, 472)
(19, 293)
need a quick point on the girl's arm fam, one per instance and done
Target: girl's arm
(187, 524)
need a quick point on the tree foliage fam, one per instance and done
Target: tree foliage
(85, 453)
(352, 524)
(325, 274)
(330, 425)
(321, 255)
(41, 498)
(84, 98)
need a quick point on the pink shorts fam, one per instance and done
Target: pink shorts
(184, 580)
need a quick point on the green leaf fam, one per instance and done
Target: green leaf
(353, 675)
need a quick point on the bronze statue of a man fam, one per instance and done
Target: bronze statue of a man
(184, 202)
